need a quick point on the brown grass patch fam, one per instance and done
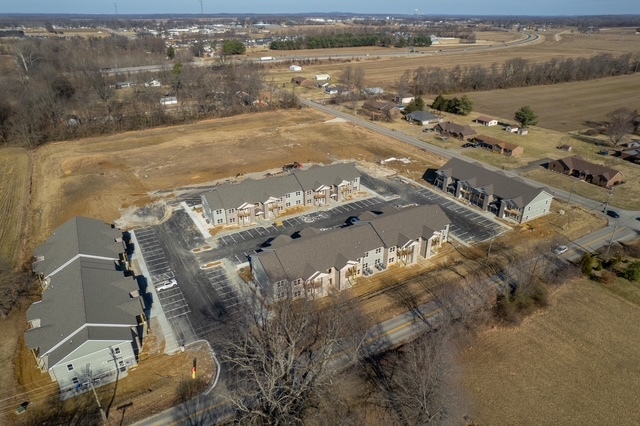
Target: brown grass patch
(14, 199)
(569, 364)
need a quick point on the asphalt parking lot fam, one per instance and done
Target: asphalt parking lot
(210, 292)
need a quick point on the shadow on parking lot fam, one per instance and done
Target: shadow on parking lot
(216, 312)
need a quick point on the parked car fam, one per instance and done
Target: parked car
(164, 285)
(560, 250)
(613, 213)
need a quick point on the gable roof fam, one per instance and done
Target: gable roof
(233, 195)
(484, 119)
(421, 116)
(493, 183)
(576, 162)
(378, 105)
(316, 252)
(87, 291)
(455, 128)
(488, 140)
(80, 235)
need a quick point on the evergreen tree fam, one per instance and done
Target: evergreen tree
(526, 117)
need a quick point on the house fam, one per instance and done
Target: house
(511, 129)
(295, 68)
(332, 90)
(153, 83)
(495, 192)
(422, 118)
(88, 327)
(123, 85)
(168, 100)
(486, 121)
(405, 98)
(322, 77)
(381, 109)
(522, 131)
(298, 80)
(596, 174)
(244, 203)
(320, 262)
(455, 130)
(498, 146)
(631, 155)
(373, 91)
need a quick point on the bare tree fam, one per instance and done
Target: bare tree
(281, 357)
(620, 123)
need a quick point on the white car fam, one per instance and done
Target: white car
(560, 250)
(164, 285)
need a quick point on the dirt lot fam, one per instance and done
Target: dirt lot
(101, 177)
(14, 196)
(566, 365)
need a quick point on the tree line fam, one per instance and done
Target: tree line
(516, 72)
(62, 89)
(327, 41)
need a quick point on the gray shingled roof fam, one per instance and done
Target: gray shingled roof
(87, 291)
(576, 162)
(421, 116)
(493, 183)
(455, 128)
(316, 176)
(302, 257)
(251, 191)
(80, 235)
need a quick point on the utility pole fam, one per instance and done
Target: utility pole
(201, 8)
(115, 5)
(606, 203)
(102, 413)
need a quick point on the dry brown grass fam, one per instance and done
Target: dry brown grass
(15, 169)
(570, 364)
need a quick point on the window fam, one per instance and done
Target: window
(297, 202)
(309, 201)
(288, 204)
(69, 367)
(392, 249)
(288, 195)
(308, 192)
(378, 250)
(281, 208)
(75, 380)
(218, 211)
(116, 351)
(378, 262)
(365, 266)
(297, 293)
(232, 220)
(366, 254)
(297, 193)
(219, 221)
(528, 209)
(232, 210)
(392, 259)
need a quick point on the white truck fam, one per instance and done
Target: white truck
(267, 58)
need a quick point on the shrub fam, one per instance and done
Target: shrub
(632, 273)
(608, 277)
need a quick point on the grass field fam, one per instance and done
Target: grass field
(573, 364)
(14, 192)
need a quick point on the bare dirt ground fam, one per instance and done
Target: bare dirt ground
(570, 364)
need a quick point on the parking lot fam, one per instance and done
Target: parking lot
(210, 292)
(171, 299)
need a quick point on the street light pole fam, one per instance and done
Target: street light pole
(571, 192)
(615, 229)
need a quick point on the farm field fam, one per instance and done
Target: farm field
(15, 169)
(553, 44)
(563, 107)
(569, 364)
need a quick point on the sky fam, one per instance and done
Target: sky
(449, 7)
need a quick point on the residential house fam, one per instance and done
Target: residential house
(498, 146)
(88, 327)
(422, 118)
(332, 90)
(295, 68)
(381, 109)
(596, 174)
(405, 98)
(486, 121)
(298, 80)
(455, 130)
(506, 197)
(153, 83)
(511, 129)
(320, 262)
(322, 77)
(243, 203)
(631, 155)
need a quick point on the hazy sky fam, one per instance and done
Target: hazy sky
(453, 7)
